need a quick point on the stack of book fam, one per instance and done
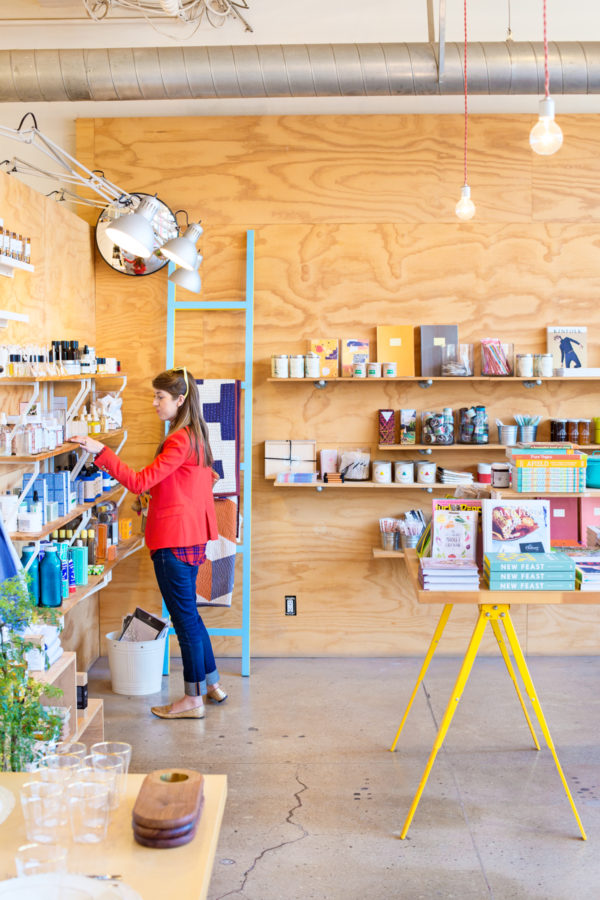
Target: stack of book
(587, 573)
(528, 572)
(448, 574)
(449, 476)
(549, 469)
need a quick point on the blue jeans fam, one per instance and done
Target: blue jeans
(177, 582)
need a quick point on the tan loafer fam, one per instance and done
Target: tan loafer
(217, 695)
(165, 712)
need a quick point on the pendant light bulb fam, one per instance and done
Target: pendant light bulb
(546, 136)
(465, 208)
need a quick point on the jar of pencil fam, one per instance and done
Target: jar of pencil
(497, 357)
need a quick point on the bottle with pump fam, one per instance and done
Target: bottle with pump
(50, 578)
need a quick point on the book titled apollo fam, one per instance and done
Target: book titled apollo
(568, 346)
(516, 525)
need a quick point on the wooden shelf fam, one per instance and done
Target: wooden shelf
(124, 549)
(442, 378)
(484, 595)
(368, 484)
(433, 448)
(67, 447)
(56, 524)
(378, 553)
(90, 722)
(63, 674)
(51, 675)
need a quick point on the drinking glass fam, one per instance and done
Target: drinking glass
(72, 748)
(59, 767)
(42, 810)
(39, 859)
(106, 770)
(88, 811)
(112, 749)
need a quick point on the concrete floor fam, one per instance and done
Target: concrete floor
(316, 801)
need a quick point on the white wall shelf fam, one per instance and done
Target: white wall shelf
(8, 266)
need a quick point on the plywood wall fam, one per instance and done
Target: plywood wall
(355, 226)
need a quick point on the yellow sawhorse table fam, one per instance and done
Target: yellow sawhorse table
(496, 613)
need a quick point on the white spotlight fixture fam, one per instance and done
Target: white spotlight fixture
(188, 279)
(545, 138)
(133, 232)
(182, 250)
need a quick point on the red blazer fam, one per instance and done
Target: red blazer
(181, 511)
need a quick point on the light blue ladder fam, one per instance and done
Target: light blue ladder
(247, 305)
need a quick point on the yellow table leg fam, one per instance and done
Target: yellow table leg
(437, 634)
(463, 675)
(497, 631)
(529, 687)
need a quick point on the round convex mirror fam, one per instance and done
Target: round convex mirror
(163, 224)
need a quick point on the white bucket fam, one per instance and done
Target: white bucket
(135, 666)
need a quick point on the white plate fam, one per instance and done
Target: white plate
(7, 802)
(99, 890)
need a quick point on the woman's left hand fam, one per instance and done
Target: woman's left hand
(88, 443)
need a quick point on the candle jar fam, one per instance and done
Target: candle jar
(573, 431)
(525, 365)
(280, 366)
(585, 431)
(560, 430)
(297, 366)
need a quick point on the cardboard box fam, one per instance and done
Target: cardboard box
(290, 456)
(354, 350)
(432, 339)
(396, 343)
(327, 349)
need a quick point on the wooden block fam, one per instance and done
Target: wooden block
(166, 843)
(169, 798)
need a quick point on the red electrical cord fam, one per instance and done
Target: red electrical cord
(546, 70)
(466, 111)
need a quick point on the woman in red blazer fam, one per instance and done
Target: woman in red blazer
(181, 520)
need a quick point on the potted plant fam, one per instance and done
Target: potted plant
(24, 720)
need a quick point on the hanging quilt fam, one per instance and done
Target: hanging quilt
(220, 404)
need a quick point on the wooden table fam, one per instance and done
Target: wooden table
(494, 609)
(180, 872)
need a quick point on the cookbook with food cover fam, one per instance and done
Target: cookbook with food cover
(516, 526)
(454, 534)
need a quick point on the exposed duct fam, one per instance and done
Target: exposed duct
(294, 70)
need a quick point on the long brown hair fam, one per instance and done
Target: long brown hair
(180, 382)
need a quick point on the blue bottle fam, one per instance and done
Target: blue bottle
(33, 571)
(50, 577)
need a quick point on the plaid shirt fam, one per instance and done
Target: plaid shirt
(194, 555)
